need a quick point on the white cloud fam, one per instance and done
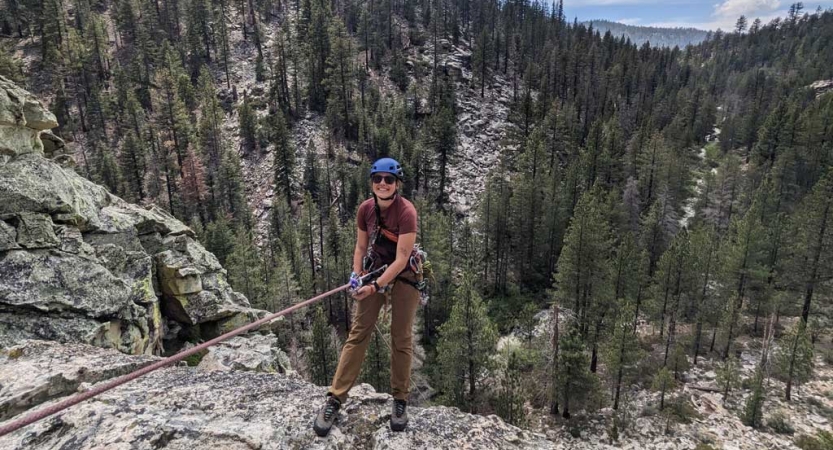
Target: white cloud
(732, 9)
(726, 14)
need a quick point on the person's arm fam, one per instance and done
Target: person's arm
(404, 247)
(360, 250)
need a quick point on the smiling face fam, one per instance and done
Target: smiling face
(386, 185)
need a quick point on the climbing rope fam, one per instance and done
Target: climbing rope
(101, 388)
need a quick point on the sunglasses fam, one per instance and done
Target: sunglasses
(389, 179)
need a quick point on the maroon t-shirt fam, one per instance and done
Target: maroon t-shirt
(400, 218)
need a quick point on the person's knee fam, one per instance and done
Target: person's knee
(358, 335)
(403, 342)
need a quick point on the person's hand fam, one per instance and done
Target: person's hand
(364, 292)
(355, 282)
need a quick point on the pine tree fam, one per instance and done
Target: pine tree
(210, 136)
(705, 310)
(339, 81)
(464, 350)
(582, 276)
(436, 235)
(398, 72)
(282, 289)
(741, 259)
(575, 382)
(317, 40)
(248, 126)
(728, 376)
(794, 357)
(509, 402)
(671, 282)
(442, 138)
(753, 409)
(811, 246)
(663, 382)
(219, 239)
(193, 187)
(284, 156)
(621, 351)
(221, 11)
(245, 269)
(322, 358)
(231, 191)
(480, 60)
(175, 93)
(133, 166)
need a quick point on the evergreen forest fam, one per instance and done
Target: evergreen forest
(643, 216)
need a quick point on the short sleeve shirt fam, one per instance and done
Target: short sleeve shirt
(400, 218)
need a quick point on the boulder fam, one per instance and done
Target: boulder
(31, 183)
(257, 353)
(19, 141)
(34, 230)
(8, 237)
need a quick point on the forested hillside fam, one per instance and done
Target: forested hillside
(657, 37)
(633, 218)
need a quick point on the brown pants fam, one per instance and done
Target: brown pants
(404, 303)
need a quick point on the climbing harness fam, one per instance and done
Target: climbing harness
(104, 387)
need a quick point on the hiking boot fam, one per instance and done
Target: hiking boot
(326, 416)
(399, 416)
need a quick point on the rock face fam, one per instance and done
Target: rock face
(78, 264)
(257, 353)
(22, 118)
(185, 408)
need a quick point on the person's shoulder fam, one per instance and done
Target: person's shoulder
(365, 205)
(407, 208)
(406, 204)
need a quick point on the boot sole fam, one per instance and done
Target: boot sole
(395, 427)
(321, 432)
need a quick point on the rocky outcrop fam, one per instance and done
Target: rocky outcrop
(184, 408)
(78, 264)
(257, 353)
(822, 87)
(22, 118)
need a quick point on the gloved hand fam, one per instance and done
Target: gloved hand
(355, 281)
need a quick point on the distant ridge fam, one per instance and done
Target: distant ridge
(658, 37)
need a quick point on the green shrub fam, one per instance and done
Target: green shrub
(779, 424)
(681, 410)
(712, 154)
(822, 441)
(702, 446)
(649, 410)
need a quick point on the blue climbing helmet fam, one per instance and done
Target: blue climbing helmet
(388, 165)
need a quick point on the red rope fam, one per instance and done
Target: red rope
(78, 398)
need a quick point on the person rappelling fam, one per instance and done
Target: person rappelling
(386, 234)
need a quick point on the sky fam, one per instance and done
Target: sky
(703, 14)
